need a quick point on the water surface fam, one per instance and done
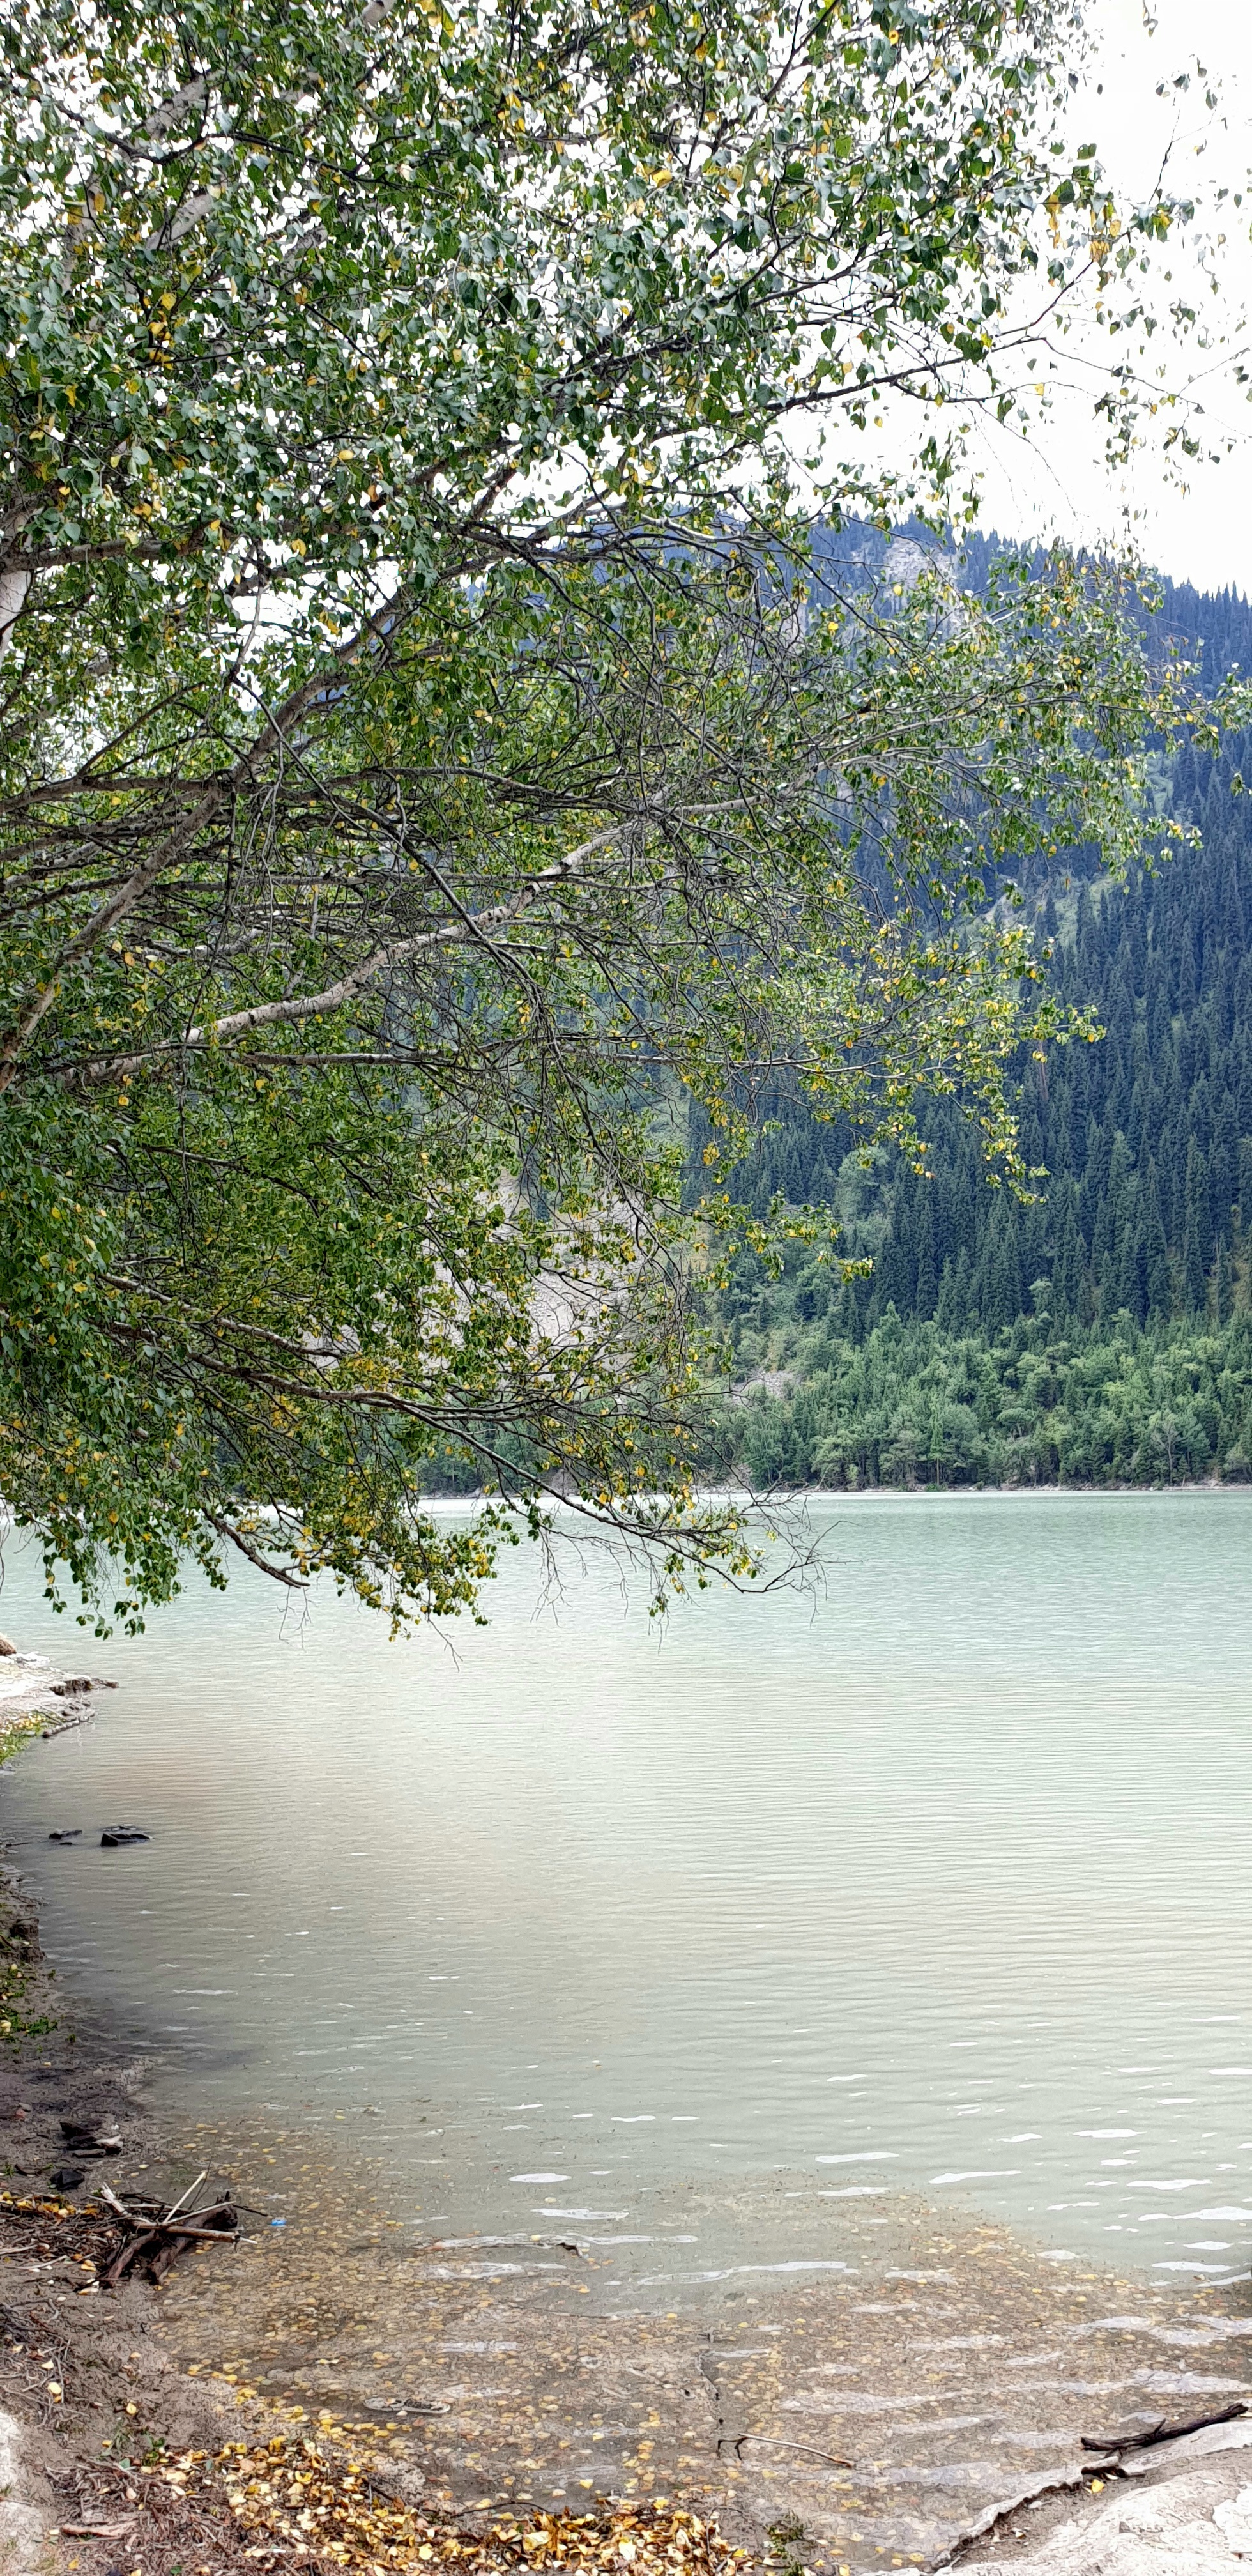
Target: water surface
(936, 1880)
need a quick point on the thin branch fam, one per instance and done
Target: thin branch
(279, 1573)
(477, 926)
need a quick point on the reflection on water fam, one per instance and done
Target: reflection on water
(937, 1882)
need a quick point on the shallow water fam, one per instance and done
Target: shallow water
(936, 1881)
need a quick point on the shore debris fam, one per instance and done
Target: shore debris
(156, 2236)
(289, 2501)
(1110, 2446)
(109, 2235)
(285, 2495)
(97, 2530)
(92, 2138)
(53, 2229)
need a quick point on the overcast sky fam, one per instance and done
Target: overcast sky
(1205, 533)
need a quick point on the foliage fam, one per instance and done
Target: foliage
(1146, 1137)
(428, 756)
(16, 1731)
(308, 292)
(262, 2496)
(1102, 1331)
(1035, 1403)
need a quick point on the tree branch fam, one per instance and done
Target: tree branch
(217, 792)
(479, 925)
(226, 1529)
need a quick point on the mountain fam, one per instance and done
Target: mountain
(1103, 1332)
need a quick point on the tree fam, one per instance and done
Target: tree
(1198, 1239)
(430, 755)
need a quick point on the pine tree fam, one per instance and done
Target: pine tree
(1198, 1231)
(1133, 1291)
(1224, 1167)
(1157, 1276)
(1221, 1285)
(927, 1282)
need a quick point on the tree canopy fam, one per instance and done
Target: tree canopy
(432, 756)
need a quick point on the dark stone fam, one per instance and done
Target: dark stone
(69, 1689)
(84, 2142)
(69, 1834)
(67, 2177)
(114, 1835)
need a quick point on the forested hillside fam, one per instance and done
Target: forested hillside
(1102, 1333)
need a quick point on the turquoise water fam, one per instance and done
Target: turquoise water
(935, 1878)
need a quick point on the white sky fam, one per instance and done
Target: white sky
(1204, 532)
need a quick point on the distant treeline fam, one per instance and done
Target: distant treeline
(915, 1404)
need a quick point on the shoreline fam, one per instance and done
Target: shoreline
(483, 2395)
(787, 1497)
(97, 2387)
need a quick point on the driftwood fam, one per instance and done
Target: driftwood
(774, 2443)
(1162, 2431)
(158, 2236)
(97, 2530)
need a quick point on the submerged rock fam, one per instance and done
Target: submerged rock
(67, 1834)
(114, 1835)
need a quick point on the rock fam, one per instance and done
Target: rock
(68, 2177)
(68, 1834)
(114, 1835)
(91, 2138)
(1235, 2519)
(1181, 2527)
(7, 1646)
(71, 1686)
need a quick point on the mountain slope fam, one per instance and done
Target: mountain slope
(1104, 1331)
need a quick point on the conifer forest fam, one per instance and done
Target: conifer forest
(1100, 1332)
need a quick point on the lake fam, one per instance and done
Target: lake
(935, 1879)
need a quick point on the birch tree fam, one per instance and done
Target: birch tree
(431, 754)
